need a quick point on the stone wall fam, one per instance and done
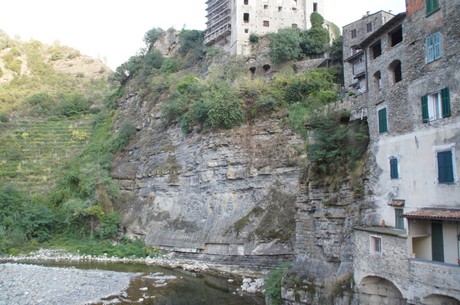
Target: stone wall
(229, 192)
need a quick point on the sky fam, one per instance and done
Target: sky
(113, 30)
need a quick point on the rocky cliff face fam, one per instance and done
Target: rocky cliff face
(229, 192)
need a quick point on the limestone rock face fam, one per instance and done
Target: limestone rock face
(228, 192)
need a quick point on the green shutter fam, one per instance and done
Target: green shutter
(437, 242)
(383, 126)
(445, 167)
(394, 168)
(429, 6)
(435, 4)
(445, 98)
(399, 220)
(425, 114)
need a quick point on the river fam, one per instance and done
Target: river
(165, 286)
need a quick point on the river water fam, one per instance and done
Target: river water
(164, 286)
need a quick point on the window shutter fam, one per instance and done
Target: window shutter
(437, 46)
(445, 99)
(429, 6)
(429, 49)
(445, 167)
(425, 113)
(383, 127)
(394, 168)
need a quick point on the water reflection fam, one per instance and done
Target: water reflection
(164, 286)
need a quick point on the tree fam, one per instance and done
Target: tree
(284, 45)
(152, 36)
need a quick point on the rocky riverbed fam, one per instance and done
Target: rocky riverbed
(27, 284)
(22, 284)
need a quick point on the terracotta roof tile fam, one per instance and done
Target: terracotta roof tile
(397, 203)
(440, 214)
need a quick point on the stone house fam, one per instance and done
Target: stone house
(410, 254)
(231, 22)
(354, 61)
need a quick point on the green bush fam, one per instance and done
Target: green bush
(273, 281)
(284, 45)
(337, 145)
(124, 134)
(73, 104)
(170, 66)
(224, 109)
(152, 36)
(253, 37)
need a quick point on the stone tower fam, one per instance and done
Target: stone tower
(231, 22)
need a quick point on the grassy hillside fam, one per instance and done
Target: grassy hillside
(33, 151)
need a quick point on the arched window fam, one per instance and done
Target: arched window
(377, 81)
(395, 71)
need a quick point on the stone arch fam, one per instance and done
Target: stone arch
(438, 299)
(395, 71)
(374, 290)
(266, 68)
(253, 70)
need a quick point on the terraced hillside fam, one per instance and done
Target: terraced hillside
(33, 151)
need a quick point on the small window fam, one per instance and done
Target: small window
(445, 166)
(353, 33)
(431, 6)
(394, 172)
(436, 106)
(294, 25)
(383, 124)
(266, 23)
(396, 36)
(246, 31)
(246, 17)
(315, 7)
(369, 27)
(265, 6)
(376, 50)
(376, 245)
(395, 69)
(433, 47)
(377, 81)
(399, 220)
(246, 2)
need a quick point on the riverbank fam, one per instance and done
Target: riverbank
(252, 280)
(22, 284)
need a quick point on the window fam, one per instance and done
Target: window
(376, 245)
(376, 50)
(436, 106)
(266, 23)
(396, 36)
(246, 2)
(394, 172)
(399, 220)
(369, 27)
(294, 25)
(265, 6)
(377, 81)
(383, 125)
(246, 17)
(431, 6)
(246, 31)
(315, 6)
(433, 47)
(353, 33)
(395, 69)
(445, 166)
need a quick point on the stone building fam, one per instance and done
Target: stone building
(231, 22)
(354, 33)
(410, 254)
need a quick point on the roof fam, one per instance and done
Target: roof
(366, 16)
(397, 203)
(434, 214)
(392, 22)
